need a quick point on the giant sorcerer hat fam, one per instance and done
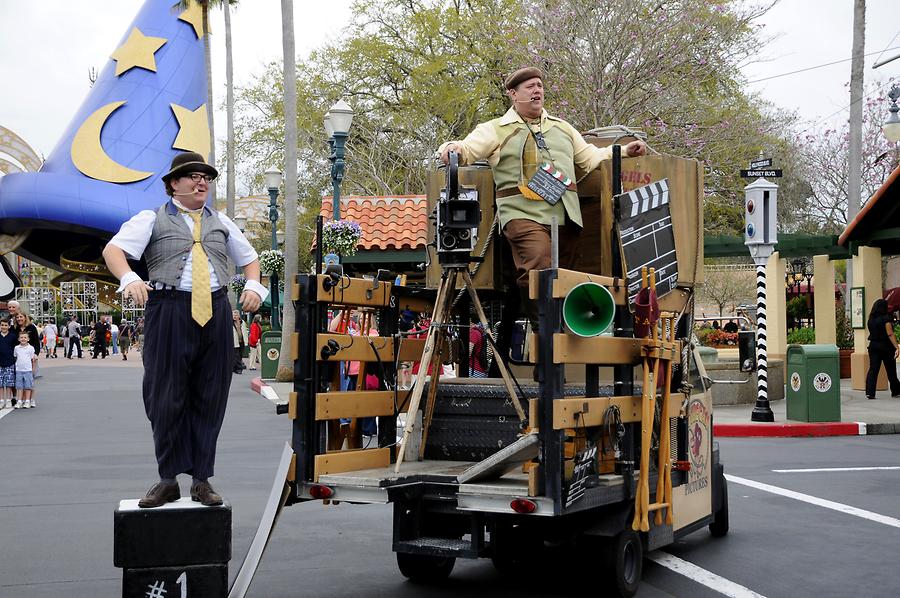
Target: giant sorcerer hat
(148, 104)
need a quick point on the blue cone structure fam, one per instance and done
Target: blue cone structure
(107, 165)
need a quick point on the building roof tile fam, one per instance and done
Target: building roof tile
(393, 222)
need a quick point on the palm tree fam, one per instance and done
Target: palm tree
(205, 5)
(229, 112)
(285, 364)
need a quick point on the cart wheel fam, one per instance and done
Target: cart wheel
(423, 568)
(625, 562)
(719, 525)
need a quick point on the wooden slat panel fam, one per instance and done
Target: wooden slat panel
(600, 350)
(342, 461)
(581, 412)
(415, 304)
(533, 477)
(533, 414)
(354, 291)
(568, 279)
(411, 349)
(292, 405)
(533, 282)
(295, 292)
(292, 470)
(360, 403)
(295, 346)
(357, 348)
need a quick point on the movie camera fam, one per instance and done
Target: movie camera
(457, 215)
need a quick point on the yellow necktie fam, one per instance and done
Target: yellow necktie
(529, 167)
(201, 295)
(529, 157)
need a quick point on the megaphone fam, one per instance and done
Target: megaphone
(588, 309)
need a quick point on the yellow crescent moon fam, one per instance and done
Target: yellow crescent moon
(89, 156)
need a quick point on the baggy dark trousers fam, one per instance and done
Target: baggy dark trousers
(187, 375)
(877, 358)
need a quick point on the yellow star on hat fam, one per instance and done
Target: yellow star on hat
(137, 51)
(193, 14)
(193, 134)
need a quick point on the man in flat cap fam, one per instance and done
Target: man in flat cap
(518, 145)
(187, 348)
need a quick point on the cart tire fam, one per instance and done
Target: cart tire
(423, 568)
(719, 526)
(625, 561)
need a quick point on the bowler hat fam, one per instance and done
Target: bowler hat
(188, 162)
(524, 74)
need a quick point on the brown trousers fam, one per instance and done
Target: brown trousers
(530, 244)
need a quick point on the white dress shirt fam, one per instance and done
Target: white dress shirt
(135, 234)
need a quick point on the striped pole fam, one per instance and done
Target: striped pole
(761, 412)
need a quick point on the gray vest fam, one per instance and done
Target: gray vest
(171, 242)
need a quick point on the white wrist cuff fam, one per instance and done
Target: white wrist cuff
(257, 288)
(127, 280)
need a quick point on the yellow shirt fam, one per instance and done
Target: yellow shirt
(483, 143)
(500, 142)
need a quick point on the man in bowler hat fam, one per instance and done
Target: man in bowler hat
(187, 348)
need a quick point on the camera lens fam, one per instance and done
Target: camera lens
(448, 241)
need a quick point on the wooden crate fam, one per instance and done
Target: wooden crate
(685, 202)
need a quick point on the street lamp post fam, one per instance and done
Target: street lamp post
(241, 223)
(891, 128)
(273, 179)
(337, 127)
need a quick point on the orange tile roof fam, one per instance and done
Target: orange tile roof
(877, 221)
(394, 222)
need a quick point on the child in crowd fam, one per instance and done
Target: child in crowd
(8, 342)
(25, 360)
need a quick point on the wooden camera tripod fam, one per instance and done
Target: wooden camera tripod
(431, 356)
(657, 347)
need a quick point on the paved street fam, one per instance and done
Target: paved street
(67, 463)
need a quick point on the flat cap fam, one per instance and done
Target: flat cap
(529, 72)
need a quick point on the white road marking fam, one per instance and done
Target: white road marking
(829, 469)
(5, 412)
(814, 500)
(702, 576)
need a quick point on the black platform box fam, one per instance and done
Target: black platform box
(180, 533)
(208, 581)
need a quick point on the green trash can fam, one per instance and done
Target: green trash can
(270, 350)
(813, 383)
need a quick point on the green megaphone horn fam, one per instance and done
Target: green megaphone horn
(588, 309)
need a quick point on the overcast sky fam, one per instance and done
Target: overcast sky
(47, 48)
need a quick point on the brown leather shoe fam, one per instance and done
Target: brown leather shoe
(160, 494)
(203, 493)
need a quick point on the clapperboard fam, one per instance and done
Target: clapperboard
(645, 233)
(584, 466)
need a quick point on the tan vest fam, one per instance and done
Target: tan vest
(508, 172)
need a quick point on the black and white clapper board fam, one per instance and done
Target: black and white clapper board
(646, 237)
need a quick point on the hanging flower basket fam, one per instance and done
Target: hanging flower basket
(237, 284)
(341, 237)
(271, 262)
